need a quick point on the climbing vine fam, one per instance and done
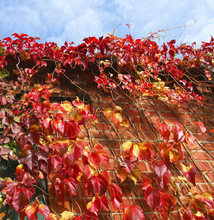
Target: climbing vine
(42, 137)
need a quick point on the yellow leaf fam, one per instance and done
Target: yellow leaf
(204, 195)
(67, 106)
(66, 215)
(185, 168)
(107, 112)
(119, 117)
(34, 127)
(136, 150)
(121, 173)
(16, 119)
(134, 179)
(125, 123)
(198, 214)
(117, 109)
(174, 156)
(52, 217)
(127, 145)
(88, 206)
(136, 173)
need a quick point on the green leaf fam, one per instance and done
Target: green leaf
(4, 73)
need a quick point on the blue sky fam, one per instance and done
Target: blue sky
(72, 20)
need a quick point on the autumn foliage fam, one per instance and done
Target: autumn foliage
(41, 137)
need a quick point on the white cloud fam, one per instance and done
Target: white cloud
(71, 20)
(178, 15)
(56, 20)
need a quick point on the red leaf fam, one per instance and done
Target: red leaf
(189, 173)
(31, 212)
(3, 100)
(94, 159)
(116, 195)
(126, 167)
(163, 173)
(160, 168)
(104, 203)
(146, 151)
(28, 180)
(61, 126)
(191, 139)
(44, 210)
(71, 129)
(152, 197)
(165, 131)
(167, 203)
(56, 161)
(27, 159)
(17, 199)
(103, 155)
(77, 103)
(47, 123)
(5, 121)
(59, 189)
(187, 215)
(15, 128)
(147, 183)
(179, 134)
(72, 185)
(201, 126)
(94, 206)
(99, 184)
(54, 125)
(28, 191)
(133, 212)
(77, 152)
(165, 180)
(11, 187)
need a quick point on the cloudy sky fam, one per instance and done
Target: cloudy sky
(72, 20)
